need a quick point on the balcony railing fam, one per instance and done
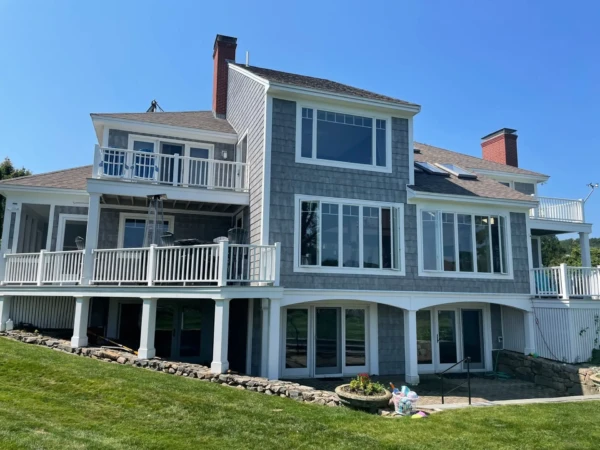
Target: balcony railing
(199, 265)
(559, 209)
(566, 282)
(174, 170)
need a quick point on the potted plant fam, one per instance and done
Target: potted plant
(363, 393)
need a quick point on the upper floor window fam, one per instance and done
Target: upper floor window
(471, 243)
(344, 140)
(347, 235)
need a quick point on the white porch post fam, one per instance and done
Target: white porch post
(82, 312)
(264, 353)
(220, 364)
(147, 350)
(529, 319)
(586, 257)
(91, 238)
(4, 311)
(411, 368)
(373, 339)
(274, 333)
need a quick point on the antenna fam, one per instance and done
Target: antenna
(593, 187)
(154, 106)
(247, 59)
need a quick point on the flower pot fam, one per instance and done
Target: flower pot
(365, 402)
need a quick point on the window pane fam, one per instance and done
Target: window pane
(503, 241)
(307, 132)
(465, 242)
(345, 142)
(449, 242)
(351, 236)
(370, 237)
(430, 240)
(329, 235)
(296, 337)
(355, 337)
(495, 229)
(380, 143)
(134, 233)
(387, 238)
(424, 349)
(309, 230)
(482, 241)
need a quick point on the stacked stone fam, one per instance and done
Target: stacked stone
(286, 389)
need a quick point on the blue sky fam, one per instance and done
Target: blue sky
(474, 67)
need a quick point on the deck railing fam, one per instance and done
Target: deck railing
(566, 282)
(559, 209)
(175, 170)
(43, 268)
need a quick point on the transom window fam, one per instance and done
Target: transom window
(348, 236)
(343, 138)
(454, 242)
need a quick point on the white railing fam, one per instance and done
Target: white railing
(175, 170)
(559, 209)
(43, 267)
(253, 263)
(566, 282)
(120, 266)
(190, 264)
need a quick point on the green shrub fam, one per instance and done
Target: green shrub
(363, 385)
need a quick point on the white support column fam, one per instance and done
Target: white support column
(586, 256)
(273, 363)
(529, 319)
(4, 311)
(264, 353)
(91, 238)
(82, 313)
(147, 350)
(411, 362)
(220, 364)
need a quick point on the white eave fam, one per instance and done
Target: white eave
(417, 196)
(511, 176)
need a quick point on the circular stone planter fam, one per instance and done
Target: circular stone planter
(369, 403)
(596, 379)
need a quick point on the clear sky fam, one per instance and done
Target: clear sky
(474, 66)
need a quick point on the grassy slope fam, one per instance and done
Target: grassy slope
(55, 400)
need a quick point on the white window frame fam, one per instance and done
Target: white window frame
(62, 221)
(440, 272)
(345, 165)
(125, 216)
(398, 231)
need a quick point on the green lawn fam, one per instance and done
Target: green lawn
(50, 399)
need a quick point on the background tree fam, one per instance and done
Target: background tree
(568, 251)
(7, 171)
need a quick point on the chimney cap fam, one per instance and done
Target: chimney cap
(498, 133)
(225, 39)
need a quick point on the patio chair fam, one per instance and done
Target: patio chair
(168, 239)
(80, 243)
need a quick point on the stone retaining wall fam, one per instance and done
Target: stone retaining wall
(288, 389)
(564, 378)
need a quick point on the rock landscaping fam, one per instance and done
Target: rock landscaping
(265, 386)
(567, 379)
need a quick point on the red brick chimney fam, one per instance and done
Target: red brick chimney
(501, 147)
(224, 50)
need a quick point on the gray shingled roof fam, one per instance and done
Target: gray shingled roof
(479, 187)
(320, 84)
(201, 120)
(429, 153)
(75, 178)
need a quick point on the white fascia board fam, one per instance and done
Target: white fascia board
(566, 304)
(135, 126)
(114, 187)
(558, 226)
(509, 176)
(32, 194)
(415, 197)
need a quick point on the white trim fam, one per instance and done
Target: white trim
(509, 176)
(411, 152)
(399, 231)
(315, 106)
(249, 336)
(125, 216)
(558, 226)
(266, 185)
(166, 210)
(62, 218)
(440, 273)
(414, 197)
(41, 190)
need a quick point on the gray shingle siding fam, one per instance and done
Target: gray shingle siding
(289, 178)
(391, 339)
(246, 111)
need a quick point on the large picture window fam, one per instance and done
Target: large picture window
(453, 242)
(343, 138)
(348, 236)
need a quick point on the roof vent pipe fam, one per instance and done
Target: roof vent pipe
(247, 59)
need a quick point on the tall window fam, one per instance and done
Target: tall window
(345, 138)
(454, 242)
(348, 236)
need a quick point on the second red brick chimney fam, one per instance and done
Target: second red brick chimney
(224, 51)
(501, 147)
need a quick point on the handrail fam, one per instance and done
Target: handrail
(441, 375)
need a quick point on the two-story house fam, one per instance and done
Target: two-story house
(295, 230)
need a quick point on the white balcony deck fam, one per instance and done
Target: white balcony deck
(220, 264)
(566, 282)
(172, 170)
(559, 209)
